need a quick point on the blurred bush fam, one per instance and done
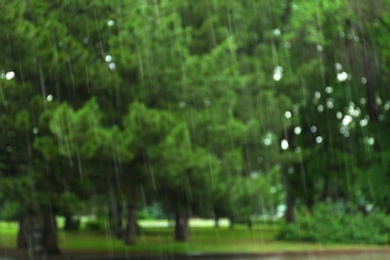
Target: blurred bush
(94, 225)
(336, 223)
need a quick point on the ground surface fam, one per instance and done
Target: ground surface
(205, 242)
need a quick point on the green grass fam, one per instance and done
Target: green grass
(160, 239)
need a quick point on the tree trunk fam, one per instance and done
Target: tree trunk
(115, 215)
(249, 224)
(216, 221)
(290, 204)
(24, 233)
(50, 234)
(231, 223)
(38, 234)
(131, 228)
(181, 227)
(71, 224)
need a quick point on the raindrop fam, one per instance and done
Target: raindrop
(287, 45)
(277, 32)
(110, 23)
(339, 115)
(207, 102)
(381, 117)
(362, 101)
(387, 105)
(342, 34)
(297, 130)
(329, 104)
(112, 66)
(298, 149)
(329, 89)
(10, 75)
(182, 104)
(319, 48)
(288, 114)
(356, 112)
(313, 129)
(320, 108)
(35, 130)
(284, 144)
(319, 139)
(338, 66)
(343, 76)
(378, 101)
(356, 39)
(363, 122)
(317, 95)
(267, 141)
(273, 189)
(278, 73)
(108, 58)
(296, 109)
(364, 80)
(347, 120)
(49, 97)
(371, 141)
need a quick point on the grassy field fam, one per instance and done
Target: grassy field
(156, 238)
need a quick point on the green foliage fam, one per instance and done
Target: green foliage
(332, 223)
(94, 225)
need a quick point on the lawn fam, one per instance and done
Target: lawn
(156, 238)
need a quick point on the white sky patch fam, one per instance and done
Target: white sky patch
(111, 23)
(288, 114)
(108, 58)
(10, 75)
(112, 66)
(49, 98)
(319, 139)
(328, 89)
(284, 144)
(297, 130)
(342, 76)
(347, 120)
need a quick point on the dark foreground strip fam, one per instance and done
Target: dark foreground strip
(18, 255)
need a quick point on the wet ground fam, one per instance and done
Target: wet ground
(358, 256)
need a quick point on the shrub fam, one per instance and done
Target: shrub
(94, 225)
(332, 223)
